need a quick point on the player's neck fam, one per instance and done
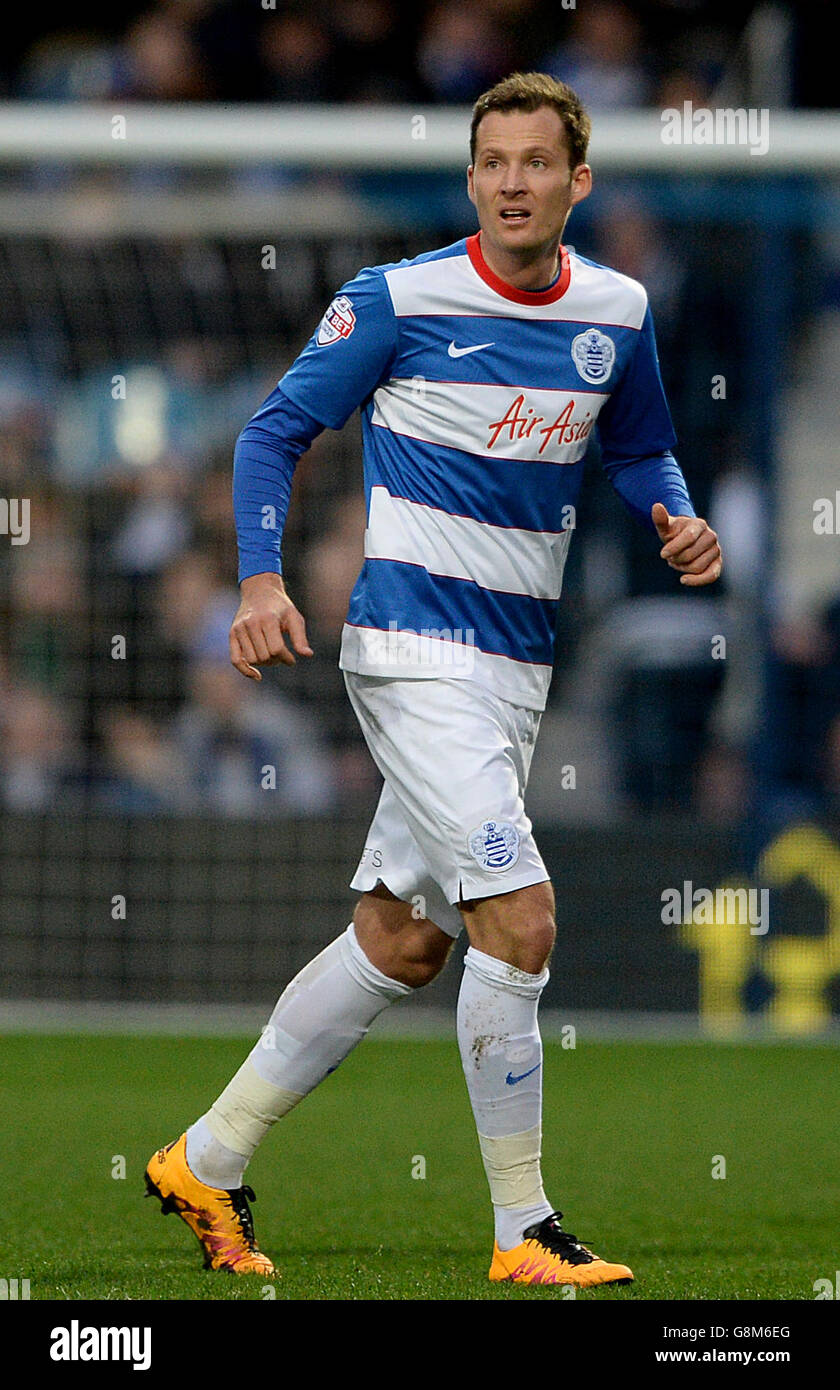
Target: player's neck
(522, 271)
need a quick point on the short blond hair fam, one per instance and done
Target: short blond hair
(528, 91)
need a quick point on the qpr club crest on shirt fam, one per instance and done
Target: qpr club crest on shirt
(495, 845)
(593, 353)
(338, 322)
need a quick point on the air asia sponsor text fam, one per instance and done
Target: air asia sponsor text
(520, 421)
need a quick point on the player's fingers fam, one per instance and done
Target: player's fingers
(297, 631)
(250, 671)
(282, 656)
(239, 661)
(708, 576)
(686, 537)
(273, 629)
(661, 519)
(261, 650)
(246, 645)
(703, 549)
(277, 653)
(698, 566)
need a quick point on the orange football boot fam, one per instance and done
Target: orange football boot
(219, 1218)
(550, 1255)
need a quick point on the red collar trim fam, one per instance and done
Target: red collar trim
(554, 292)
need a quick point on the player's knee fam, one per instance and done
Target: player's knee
(408, 949)
(420, 955)
(518, 927)
(539, 930)
(528, 943)
(537, 942)
(416, 974)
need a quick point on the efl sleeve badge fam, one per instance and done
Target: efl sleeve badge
(338, 322)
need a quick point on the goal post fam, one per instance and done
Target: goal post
(676, 141)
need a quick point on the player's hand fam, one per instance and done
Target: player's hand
(264, 617)
(690, 546)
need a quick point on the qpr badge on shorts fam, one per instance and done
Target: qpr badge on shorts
(338, 322)
(494, 845)
(593, 353)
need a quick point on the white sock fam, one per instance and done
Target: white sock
(319, 1018)
(501, 1052)
(210, 1161)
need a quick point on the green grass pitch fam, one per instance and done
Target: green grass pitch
(631, 1132)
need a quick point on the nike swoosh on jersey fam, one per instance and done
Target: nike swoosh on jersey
(512, 1080)
(454, 351)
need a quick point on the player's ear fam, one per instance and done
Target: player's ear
(581, 183)
(470, 185)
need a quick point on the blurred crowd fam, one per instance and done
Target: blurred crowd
(616, 53)
(130, 366)
(116, 690)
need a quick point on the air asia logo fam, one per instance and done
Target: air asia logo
(338, 322)
(495, 845)
(593, 354)
(521, 421)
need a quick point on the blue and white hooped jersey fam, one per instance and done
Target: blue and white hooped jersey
(477, 403)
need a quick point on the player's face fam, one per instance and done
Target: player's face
(521, 183)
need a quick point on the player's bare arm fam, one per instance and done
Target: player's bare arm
(690, 546)
(265, 617)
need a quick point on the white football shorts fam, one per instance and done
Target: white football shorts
(451, 822)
